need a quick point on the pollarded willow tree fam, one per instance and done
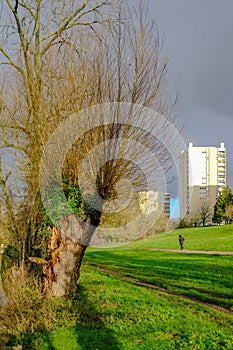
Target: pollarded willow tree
(32, 34)
(61, 59)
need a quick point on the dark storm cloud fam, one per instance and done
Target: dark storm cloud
(199, 39)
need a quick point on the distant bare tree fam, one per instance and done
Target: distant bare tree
(204, 213)
(195, 218)
(229, 212)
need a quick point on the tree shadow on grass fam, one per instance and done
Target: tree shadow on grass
(92, 331)
(89, 333)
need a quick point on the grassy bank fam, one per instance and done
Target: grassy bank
(113, 315)
(110, 313)
(206, 277)
(219, 238)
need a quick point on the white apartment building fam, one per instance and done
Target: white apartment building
(202, 177)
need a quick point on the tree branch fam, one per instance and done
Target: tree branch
(28, 8)
(16, 127)
(17, 147)
(70, 23)
(11, 62)
(16, 5)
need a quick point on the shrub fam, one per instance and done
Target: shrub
(27, 313)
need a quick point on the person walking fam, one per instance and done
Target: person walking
(181, 240)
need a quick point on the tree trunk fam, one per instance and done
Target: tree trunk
(67, 268)
(66, 248)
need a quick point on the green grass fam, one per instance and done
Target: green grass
(219, 238)
(111, 313)
(124, 316)
(206, 277)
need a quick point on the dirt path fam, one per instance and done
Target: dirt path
(163, 290)
(211, 252)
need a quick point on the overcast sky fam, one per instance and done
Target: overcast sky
(199, 39)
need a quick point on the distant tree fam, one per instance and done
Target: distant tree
(229, 212)
(184, 222)
(161, 224)
(195, 218)
(224, 199)
(204, 213)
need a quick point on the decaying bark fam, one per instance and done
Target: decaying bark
(70, 247)
(65, 267)
(66, 248)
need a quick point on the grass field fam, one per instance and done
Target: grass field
(219, 238)
(119, 315)
(208, 278)
(109, 312)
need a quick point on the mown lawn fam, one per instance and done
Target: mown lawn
(219, 238)
(115, 314)
(206, 277)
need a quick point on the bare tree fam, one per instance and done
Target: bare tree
(204, 213)
(34, 37)
(195, 218)
(229, 212)
(61, 68)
